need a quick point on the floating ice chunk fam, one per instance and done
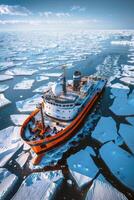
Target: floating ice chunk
(101, 190)
(37, 186)
(52, 74)
(41, 78)
(80, 179)
(42, 89)
(7, 183)
(120, 163)
(28, 105)
(119, 88)
(24, 85)
(80, 164)
(6, 65)
(3, 88)
(3, 101)
(22, 159)
(18, 119)
(10, 142)
(4, 77)
(128, 80)
(21, 71)
(105, 130)
(122, 104)
(123, 42)
(127, 132)
(19, 58)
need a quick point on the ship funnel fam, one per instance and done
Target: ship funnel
(76, 80)
(64, 79)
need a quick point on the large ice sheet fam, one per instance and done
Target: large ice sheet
(122, 105)
(101, 190)
(3, 100)
(10, 142)
(7, 183)
(120, 163)
(18, 119)
(21, 71)
(24, 84)
(80, 164)
(4, 77)
(127, 132)
(105, 130)
(28, 105)
(3, 88)
(38, 186)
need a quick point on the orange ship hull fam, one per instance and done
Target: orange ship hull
(44, 145)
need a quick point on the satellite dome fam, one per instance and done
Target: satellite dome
(57, 89)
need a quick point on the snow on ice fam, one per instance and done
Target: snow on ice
(18, 119)
(39, 186)
(21, 71)
(82, 166)
(28, 105)
(7, 182)
(6, 65)
(53, 74)
(120, 163)
(3, 88)
(101, 190)
(4, 77)
(24, 84)
(10, 142)
(105, 130)
(22, 159)
(41, 78)
(128, 80)
(3, 100)
(42, 89)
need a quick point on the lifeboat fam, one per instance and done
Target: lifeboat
(61, 114)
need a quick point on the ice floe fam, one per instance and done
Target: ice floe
(3, 88)
(3, 100)
(82, 166)
(28, 105)
(42, 89)
(101, 189)
(41, 78)
(18, 119)
(6, 65)
(120, 163)
(119, 88)
(105, 130)
(52, 74)
(123, 104)
(128, 80)
(22, 159)
(24, 84)
(127, 132)
(10, 142)
(21, 71)
(39, 186)
(123, 42)
(7, 183)
(4, 77)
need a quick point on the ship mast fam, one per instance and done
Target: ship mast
(64, 79)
